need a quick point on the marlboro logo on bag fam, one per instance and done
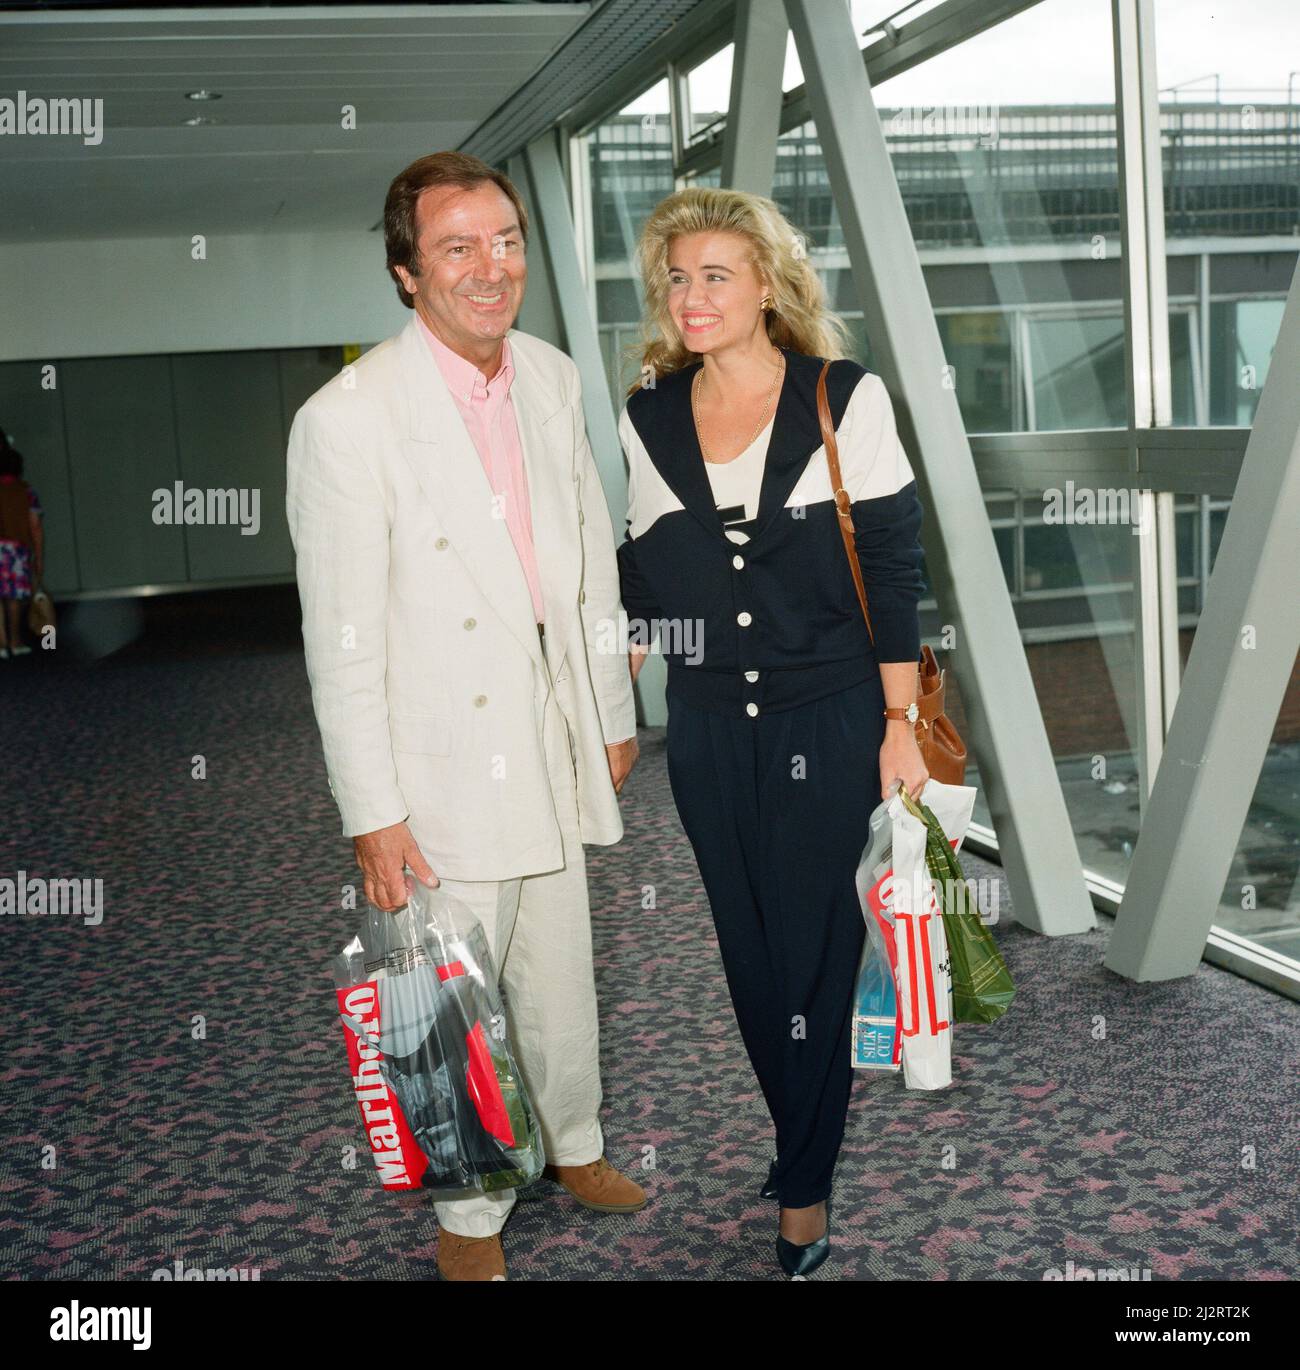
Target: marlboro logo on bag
(398, 1158)
(440, 1094)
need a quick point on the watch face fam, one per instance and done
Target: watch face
(912, 713)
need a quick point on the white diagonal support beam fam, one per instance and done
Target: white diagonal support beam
(1007, 734)
(555, 233)
(540, 312)
(1241, 659)
(754, 110)
(550, 201)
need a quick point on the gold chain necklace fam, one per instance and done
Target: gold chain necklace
(695, 394)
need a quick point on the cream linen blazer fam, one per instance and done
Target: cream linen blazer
(427, 674)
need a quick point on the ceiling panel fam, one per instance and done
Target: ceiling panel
(276, 157)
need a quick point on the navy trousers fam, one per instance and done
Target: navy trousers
(777, 810)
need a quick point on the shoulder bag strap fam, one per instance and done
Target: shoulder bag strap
(843, 505)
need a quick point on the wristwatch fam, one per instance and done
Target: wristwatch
(908, 715)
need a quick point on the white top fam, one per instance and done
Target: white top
(871, 456)
(737, 483)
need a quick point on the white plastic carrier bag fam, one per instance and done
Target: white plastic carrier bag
(903, 1005)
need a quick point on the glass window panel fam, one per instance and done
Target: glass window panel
(1075, 616)
(708, 93)
(864, 13)
(1187, 543)
(1005, 538)
(1261, 897)
(1242, 336)
(1232, 215)
(1184, 365)
(1009, 179)
(1217, 517)
(802, 192)
(1077, 632)
(631, 170)
(1018, 235)
(1076, 371)
(1004, 150)
(977, 346)
(1060, 556)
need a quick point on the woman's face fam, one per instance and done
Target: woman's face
(714, 290)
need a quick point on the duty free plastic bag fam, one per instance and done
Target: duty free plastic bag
(903, 1004)
(443, 1105)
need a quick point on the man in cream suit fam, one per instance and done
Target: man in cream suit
(455, 562)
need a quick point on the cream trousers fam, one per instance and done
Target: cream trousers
(539, 930)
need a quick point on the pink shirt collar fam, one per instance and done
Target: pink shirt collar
(463, 378)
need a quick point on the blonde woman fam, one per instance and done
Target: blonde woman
(784, 726)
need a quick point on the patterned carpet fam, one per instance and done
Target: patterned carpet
(1168, 1142)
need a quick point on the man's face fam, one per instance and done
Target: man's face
(472, 268)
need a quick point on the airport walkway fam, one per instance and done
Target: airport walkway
(1112, 1125)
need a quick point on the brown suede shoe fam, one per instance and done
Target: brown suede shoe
(470, 1258)
(598, 1185)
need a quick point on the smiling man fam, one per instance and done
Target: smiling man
(455, 561)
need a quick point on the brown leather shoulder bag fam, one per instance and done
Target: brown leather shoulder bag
(942, 750)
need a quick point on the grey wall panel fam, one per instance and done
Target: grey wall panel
(537, 314)
(303, 370)
(230, 432)
(121, 448)
(33, 418)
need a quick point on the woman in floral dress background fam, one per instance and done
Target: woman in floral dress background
(22, 548)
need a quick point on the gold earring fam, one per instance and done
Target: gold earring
(765, 303)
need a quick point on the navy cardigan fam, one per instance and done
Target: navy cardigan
(772, 623)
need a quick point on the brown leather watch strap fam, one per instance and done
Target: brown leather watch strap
(929, 707)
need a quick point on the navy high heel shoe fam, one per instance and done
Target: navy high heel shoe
(768, 1190)
(803, 1260)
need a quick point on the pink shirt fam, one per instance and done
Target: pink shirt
(490, 419)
